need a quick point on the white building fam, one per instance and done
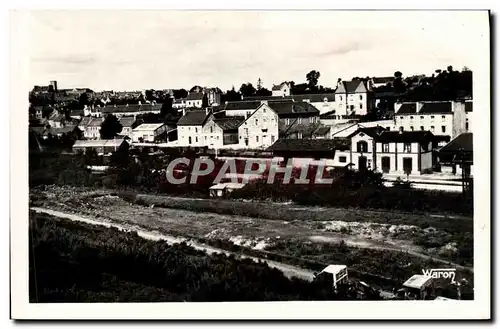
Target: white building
(190, 126)
(352, 98)
(440, 118)
(260, 129)
(282, 90)
(194, 99)
(122, 110)
(398, 152)
(91, 127)
(127, 126)
(148, 132)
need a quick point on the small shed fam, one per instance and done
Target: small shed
(339, 273)
(419, 286)
(222, 189)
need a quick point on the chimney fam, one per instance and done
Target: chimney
(419, 106)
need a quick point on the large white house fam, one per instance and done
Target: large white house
(398, 152)
(91, 127)
(449, 118)
(352, 98)
(283, 89)
(190, 126)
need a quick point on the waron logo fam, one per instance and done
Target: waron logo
(441, 273)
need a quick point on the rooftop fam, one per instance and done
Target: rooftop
(436, 107)
(417, 281)
(310, 145)
(407, 108)
(98, 143)
(193, 118)
(291, 107)
(381, 135)
(148, 126)
(462, 141)
(194, 96)
(229, 123)
(127, 121)
(333, 269)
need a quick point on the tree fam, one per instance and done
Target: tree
(166, 107)
(204, 102)
(110, 127)
(180, 93)
(312, 78)
(398, 75)
(83, 100)
(231, 96)
(263, 92)
(247, 90)
(149, 95)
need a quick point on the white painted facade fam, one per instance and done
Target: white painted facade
(351, 103)
(212, 134)
(260, 129)
(284, 90)
(148, 132)
(190, 136)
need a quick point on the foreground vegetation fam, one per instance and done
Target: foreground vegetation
(146, 174)
(73, 262)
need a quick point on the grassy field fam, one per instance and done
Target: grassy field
(74, 262)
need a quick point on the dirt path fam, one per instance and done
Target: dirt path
(288, 270)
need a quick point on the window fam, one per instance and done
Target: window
(411, 118)
(256, 122)
(401, 118)
(467, 125)
(257, 139)
(299, 121)
(385, 147)
(272, 138)
(407, 148)
(352, 107)
(196, 139)
(432, 128)
(422, 128)
(362, 146)
(343, 159)
(249, 113)
(189, 139)
(246, 131)
(287, 121)
(411, 128)
(211, 130)
(196, 130)
(401, 128)
(340, 97)
(299, 135)
(360, 97)
(443, 129)
(443, 118)
(205, 137)
(189, 128)
(361, 106)
(432, 117)
(264, 110)
(421, 117)
(217, 137)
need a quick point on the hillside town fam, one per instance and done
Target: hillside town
(417, 127)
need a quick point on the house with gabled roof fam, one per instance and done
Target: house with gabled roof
(283, 89)
(443, 118)
(190, 125)
(398, 152)
(353, 98)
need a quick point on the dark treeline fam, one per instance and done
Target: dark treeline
(72, 262)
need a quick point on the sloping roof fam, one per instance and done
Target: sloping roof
(278, 87)
(321, 131)
(148, 126)
(463, 141)
(194, 96)
(436, 107)
(85, 121)
(98, 143)
(334, 269)
(131, 108)
(95, 122)
(417, 281)
(285, 108)
(267, 98)
(407, 108)
(315, 98)
(309, 145)
(468, 106)
(242, 105)
(193, 118)
(229, 123)
(350, 86)
(127, 121)
(384, 136)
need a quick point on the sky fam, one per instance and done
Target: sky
(136, 50)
